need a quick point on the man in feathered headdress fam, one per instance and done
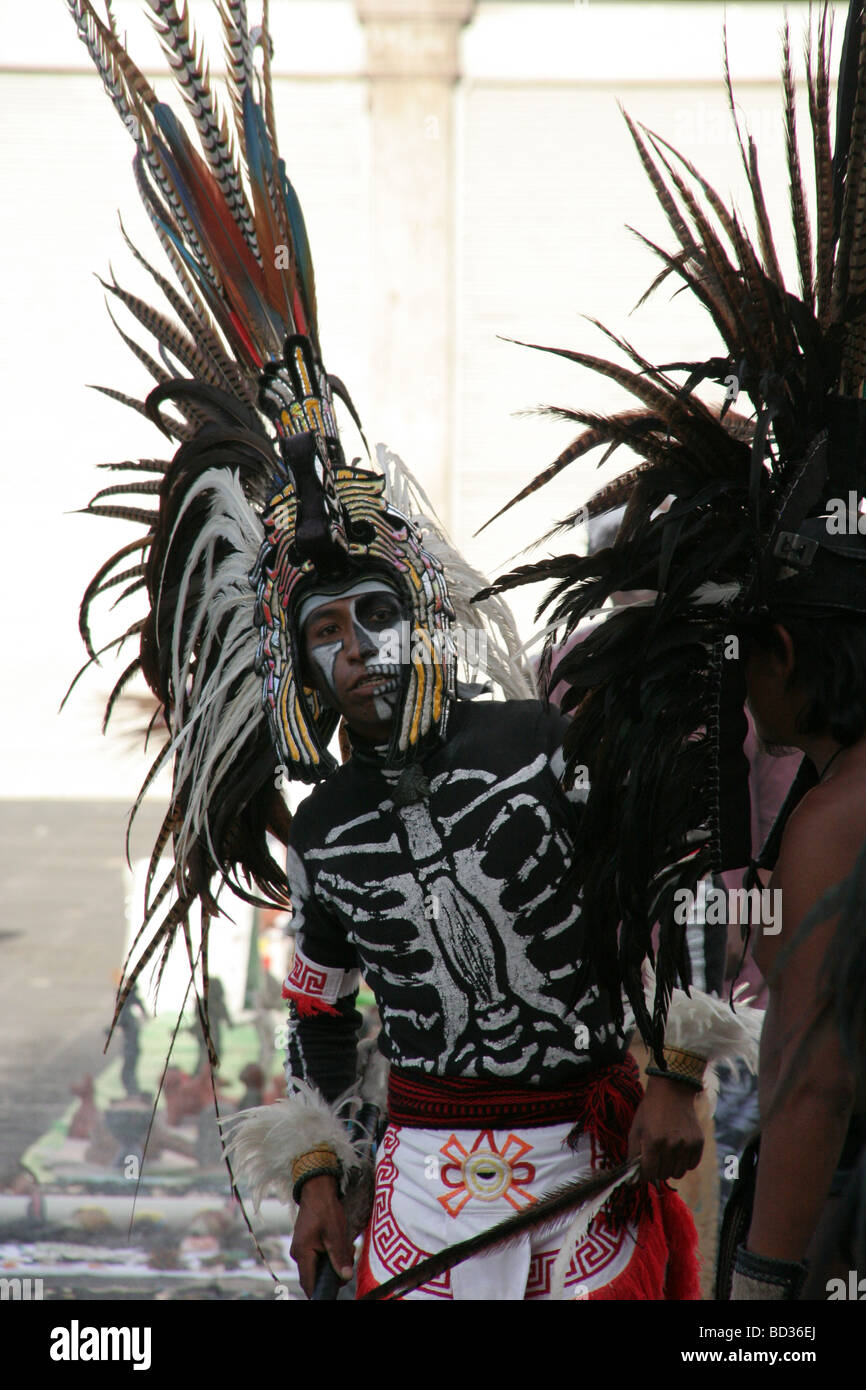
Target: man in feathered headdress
(287, 589)
(440, 871)
(448, 885)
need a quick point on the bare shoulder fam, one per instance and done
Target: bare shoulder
(826, 832)
(819, 848)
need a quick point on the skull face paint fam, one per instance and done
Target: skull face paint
(358, 622)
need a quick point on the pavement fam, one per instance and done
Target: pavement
(61, 944)
(66, 1210)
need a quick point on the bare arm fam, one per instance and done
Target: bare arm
(807, 1089)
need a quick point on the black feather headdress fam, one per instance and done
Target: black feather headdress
(727, 521)
(258, 506)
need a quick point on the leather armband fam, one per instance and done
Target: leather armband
(759, 1278)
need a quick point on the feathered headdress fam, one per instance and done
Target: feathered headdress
(258, 506)
(656, 689)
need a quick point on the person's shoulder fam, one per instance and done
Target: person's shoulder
(547, 721)
(820, 847)
(823, 839)
(827, 830)
(520, 725)
(515, 714)
(315, 812)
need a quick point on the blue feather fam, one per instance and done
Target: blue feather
(301, 243)
(264, 324)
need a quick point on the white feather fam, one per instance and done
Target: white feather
(715, 593)
(209, 729)
(709, 1027)
(264, 1142)
(576, 1231)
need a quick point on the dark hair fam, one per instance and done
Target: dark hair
(830, 666)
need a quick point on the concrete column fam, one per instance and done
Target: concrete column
(413, 65)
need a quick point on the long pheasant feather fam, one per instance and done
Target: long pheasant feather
(138, 465)
(239, 61)
(119, 687)
(854, 177)
(207, 345)
(149, 487)
(175, 428)
(167, 334)
(93, 588)
(267, 84)
(799, 210)
(697, 424)
(818, 82)
(184, 55)
(749, 265)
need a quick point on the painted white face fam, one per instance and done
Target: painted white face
(360, 622)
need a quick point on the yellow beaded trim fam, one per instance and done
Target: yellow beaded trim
(682, 1065)
(322, 1159)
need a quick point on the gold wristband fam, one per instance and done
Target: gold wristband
(322, 1158)
(681, 1066)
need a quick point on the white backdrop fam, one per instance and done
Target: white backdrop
(546, 180)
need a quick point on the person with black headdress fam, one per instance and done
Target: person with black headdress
(807, 689)
(758, 569)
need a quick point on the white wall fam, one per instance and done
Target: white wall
(546, 180)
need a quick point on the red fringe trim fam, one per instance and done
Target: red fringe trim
(307, 1007)
(610, 1098)
(682, 1281)
(664, 1266)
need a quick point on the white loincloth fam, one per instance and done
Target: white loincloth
(435, 1187)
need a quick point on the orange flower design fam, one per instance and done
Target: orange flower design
(486, 1172)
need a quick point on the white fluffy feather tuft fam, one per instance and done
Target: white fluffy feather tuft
(263, 1142)
(708, 1026)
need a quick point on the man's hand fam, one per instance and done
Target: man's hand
(665, 1133)
(321, 1230)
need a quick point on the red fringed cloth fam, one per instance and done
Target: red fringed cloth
(664, 1266)
(601, 1105)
